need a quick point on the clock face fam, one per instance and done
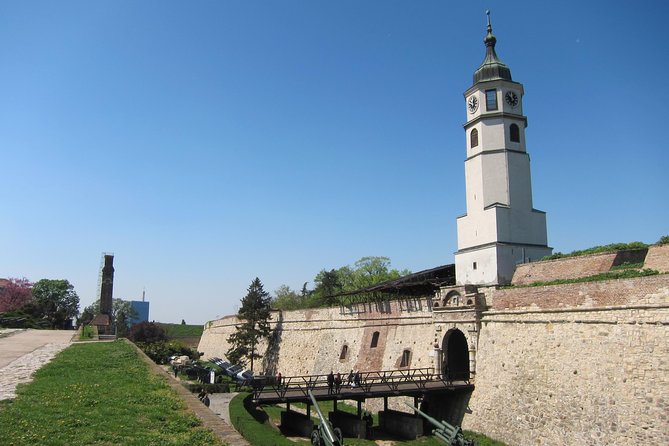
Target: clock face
(472, 104)
(511, 98)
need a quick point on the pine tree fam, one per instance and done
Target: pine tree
(254, 315)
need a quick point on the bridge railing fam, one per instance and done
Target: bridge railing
(391, 380)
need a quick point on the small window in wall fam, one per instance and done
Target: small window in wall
(491, 100)
(375, 340)
(474, 138)
(344, 352)
(406, 358)
(474, 265)
(514, 133)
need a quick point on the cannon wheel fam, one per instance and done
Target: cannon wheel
(315, 438)
(338, 435)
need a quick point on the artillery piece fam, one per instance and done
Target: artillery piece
(324, 434)
(451, 435)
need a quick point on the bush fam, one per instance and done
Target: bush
(663, 240)
(160, 352)
(22, 319)
(613, 247)
(209, 388)
(147, 332)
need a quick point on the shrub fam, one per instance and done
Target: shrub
(160, 352)
(147, 332)
(613, 247)
(209, 388)
(663, 240)
(22, 319)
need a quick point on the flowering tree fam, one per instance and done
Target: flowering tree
(15, 293)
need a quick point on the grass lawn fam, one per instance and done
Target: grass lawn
(253, 424)
(99, 394)
(182, 331)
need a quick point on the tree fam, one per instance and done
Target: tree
(121, 316)
(287, 299)
(254, 314)
(366, 272)
(15, 294)
(57, 300)
(328, 283)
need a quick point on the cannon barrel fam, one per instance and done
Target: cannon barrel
(433, 421)
(325, 424)
(444, 431)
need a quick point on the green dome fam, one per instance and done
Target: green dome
(492, 67)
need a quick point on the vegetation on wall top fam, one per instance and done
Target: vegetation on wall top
(613, 247)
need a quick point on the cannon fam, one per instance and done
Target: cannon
(324, 434)
(451, 435)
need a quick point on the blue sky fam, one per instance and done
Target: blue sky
(207, 143)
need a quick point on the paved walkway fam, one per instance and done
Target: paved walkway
(23, 352)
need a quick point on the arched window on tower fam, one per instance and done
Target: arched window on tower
(474, 138)
(514, 133)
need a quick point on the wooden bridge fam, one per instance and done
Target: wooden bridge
(381, 384)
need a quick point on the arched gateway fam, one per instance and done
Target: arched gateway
(455, 364)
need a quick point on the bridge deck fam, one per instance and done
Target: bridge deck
(410, 382)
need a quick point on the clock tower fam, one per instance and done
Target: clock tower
(501, 228)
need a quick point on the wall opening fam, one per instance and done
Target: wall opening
(406, 358)
(344, 352)
(375, 340)
(456, 356)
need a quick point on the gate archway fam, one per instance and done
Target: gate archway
(455, 364)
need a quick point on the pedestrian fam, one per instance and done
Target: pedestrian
(205, 400)
(278, 380)
(350, 378)
(330, 382)
(338, 382)
(357, 378)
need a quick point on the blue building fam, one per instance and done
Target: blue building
(142, 309)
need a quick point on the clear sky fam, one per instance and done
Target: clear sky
(206, 143)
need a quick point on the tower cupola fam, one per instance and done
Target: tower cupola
(492, 67)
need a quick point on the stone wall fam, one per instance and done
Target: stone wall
(580, 364)
(311, 341)
(584, 364)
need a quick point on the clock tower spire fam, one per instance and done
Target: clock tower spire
(501, 228)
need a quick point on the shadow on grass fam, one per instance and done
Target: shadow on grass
(259, 415)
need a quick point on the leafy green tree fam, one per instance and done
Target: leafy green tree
(121, 315)
(57, 300)
(366, 272)
(287, 299)
(328, 284)
(254, 314)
